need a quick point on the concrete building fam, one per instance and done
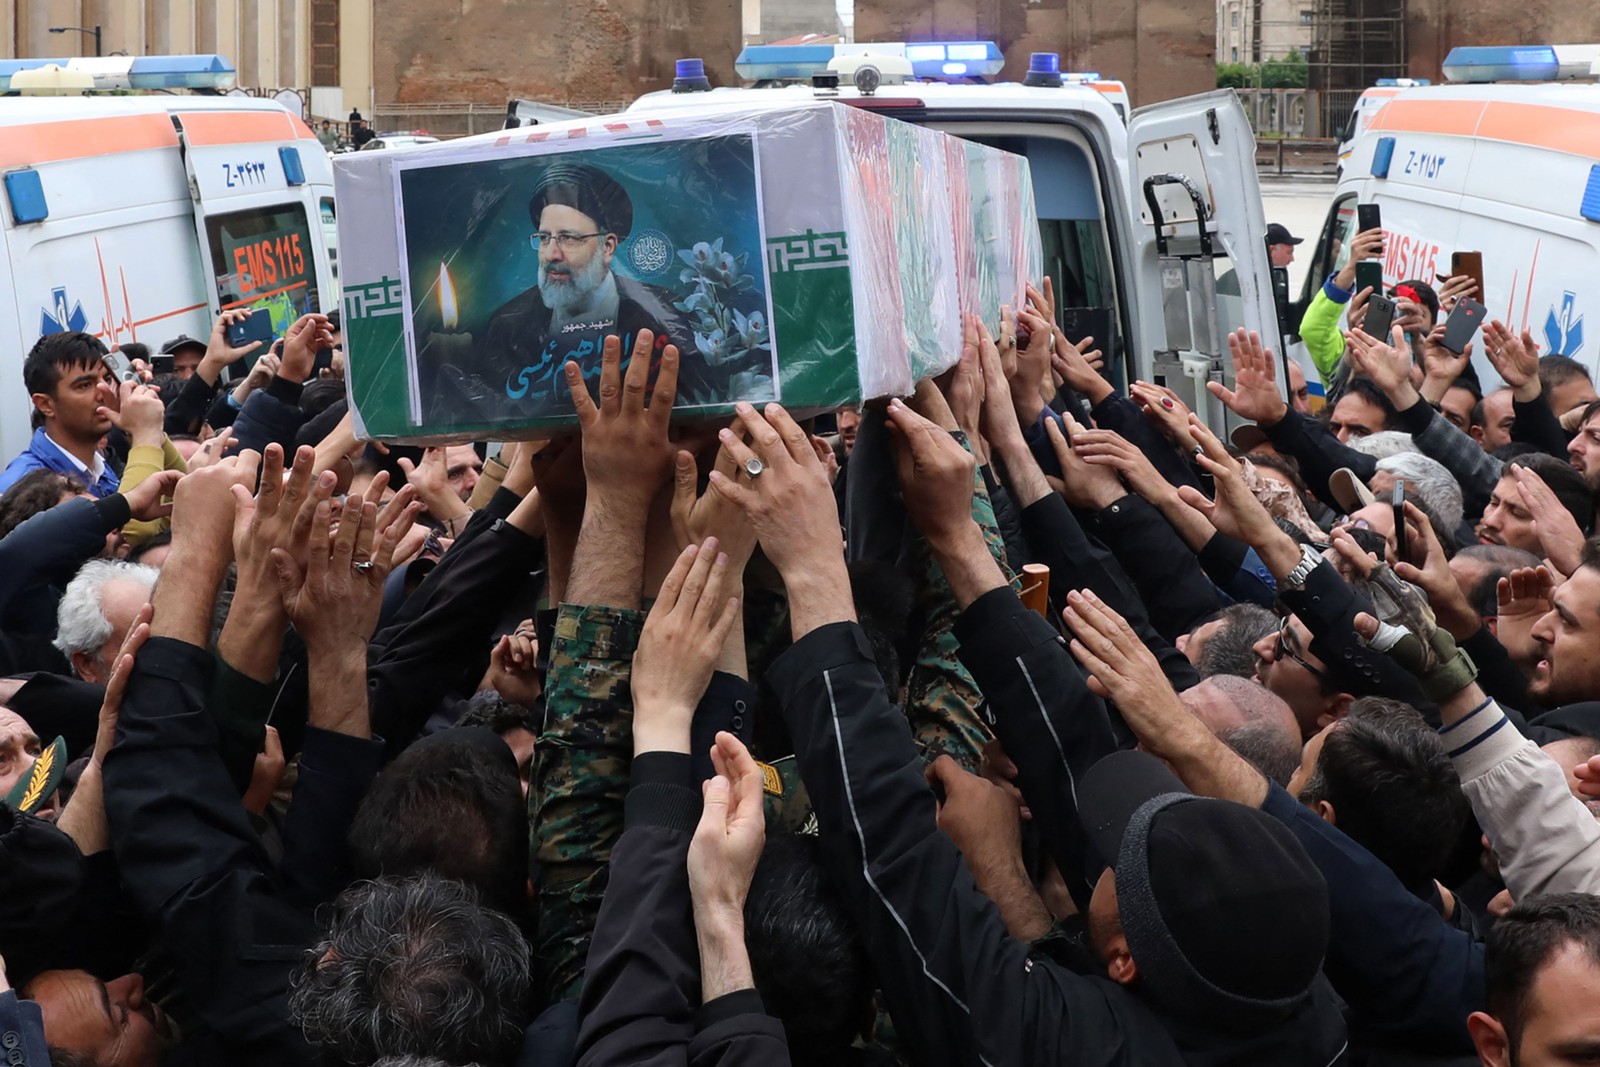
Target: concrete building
(1253, 31)
(275, 44)
(766, 21)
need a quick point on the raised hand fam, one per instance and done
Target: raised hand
(111, 704)
(304, 338)
(273, 516)
(1524, 595)
(998, 420)
(1235, 510)
(1121, 668)
(1077, 367)
(627, 456)
(84, 817)
(262, 371)
(1106, 448)
(1559, 534)
(1085, 485)
(1167, 410)
(139, 413)
(211, 450)
(514, 666)
(727, 844)
(265, 775)
(679, 647)
(697, 516)
(983, 820)
(333, 595)
(1454, 289)
(1515, 361)
(785, 491)
(1255, 379)
(1432, 575)
(936, 475)
(147, 500)
(1356, 313)
(1441, 367)
(1032, 384)
(219, 353)
(431, 480)
(722, 861)
(1368, 244)
(203, 504)
(963, 384)
(1387, 364)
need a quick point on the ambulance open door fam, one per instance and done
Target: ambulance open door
(1200, 259)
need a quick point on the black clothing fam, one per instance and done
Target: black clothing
(641, 991)
(186, 412)
(1172, 585)
(960, 989)
(442, 632)
(196, 867)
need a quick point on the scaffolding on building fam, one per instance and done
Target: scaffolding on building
(1353, 44)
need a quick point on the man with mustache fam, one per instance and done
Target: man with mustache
(580, 216)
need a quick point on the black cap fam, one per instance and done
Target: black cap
(182, 341)
(1278, 234)
(1226, 916)
(584, 189)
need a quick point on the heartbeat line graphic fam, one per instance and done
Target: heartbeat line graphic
(114, 327)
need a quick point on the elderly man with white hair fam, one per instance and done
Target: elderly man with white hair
(96, 612)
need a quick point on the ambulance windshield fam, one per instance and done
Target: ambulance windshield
(264, 257)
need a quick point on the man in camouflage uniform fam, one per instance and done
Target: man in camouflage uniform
(581, 767)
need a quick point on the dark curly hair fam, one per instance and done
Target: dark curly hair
(34, 492)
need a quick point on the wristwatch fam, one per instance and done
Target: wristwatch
(1296, 579)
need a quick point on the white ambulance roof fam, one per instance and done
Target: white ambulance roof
(1560, 117)
(19, 109)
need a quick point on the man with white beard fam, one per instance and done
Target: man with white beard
(580, 215)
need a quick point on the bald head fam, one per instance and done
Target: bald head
(1250, 719)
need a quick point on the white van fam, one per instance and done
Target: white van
(137, 218)
(1508, 169)
(1096, 181)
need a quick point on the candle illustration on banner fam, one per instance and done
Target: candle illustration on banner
(449, 314)
(447, 343)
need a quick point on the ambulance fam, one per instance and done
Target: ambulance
(1141, 216)
(1367, 105)
(1503, 159)
(140, 217)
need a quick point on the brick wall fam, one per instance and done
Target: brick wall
(1160, 48)
(577, 51)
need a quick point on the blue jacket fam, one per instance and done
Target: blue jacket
(42, 454)
(22, 1032)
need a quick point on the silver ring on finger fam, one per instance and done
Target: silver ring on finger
(753, 466)
(362, 566)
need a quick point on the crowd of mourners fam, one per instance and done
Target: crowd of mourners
(1020, 721)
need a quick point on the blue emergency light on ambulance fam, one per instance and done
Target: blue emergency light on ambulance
(1521, 63)
(134, 73)
(799, 62)
(1044, 69)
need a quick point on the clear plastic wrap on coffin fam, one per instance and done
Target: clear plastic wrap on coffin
(816, 255)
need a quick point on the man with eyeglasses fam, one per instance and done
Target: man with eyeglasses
(580, 217)
(1286, 666)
